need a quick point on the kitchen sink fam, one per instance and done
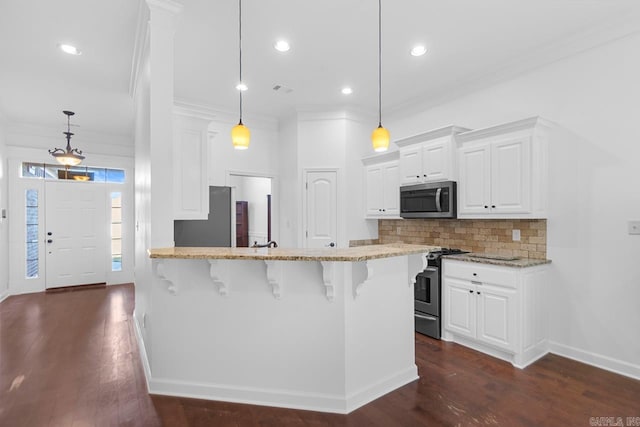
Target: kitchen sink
(492, 256)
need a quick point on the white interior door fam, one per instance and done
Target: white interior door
(76, 232)
(322, 209)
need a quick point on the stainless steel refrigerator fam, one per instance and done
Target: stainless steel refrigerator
(214, 231)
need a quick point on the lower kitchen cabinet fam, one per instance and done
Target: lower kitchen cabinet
(495, 309)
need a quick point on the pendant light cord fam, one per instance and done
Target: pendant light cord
(380, 63)
(240, 50)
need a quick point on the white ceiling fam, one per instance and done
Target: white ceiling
(470, 43)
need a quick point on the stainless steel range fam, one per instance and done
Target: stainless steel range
(427, 292)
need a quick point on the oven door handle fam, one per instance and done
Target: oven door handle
(431, 269)
(419, 316)
(438, 194)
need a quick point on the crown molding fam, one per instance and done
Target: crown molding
(379, 158)
(223, 115)
(432, 134)
(55, 133)
(518, 125)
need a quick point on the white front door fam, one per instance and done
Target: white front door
(76, 232)
(322, 209)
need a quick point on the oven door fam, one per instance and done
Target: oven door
(427, 291)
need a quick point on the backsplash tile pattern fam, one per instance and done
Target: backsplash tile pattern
(492, 236)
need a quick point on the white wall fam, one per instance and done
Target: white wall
(4, 225)
(594, 297)
(290, 189)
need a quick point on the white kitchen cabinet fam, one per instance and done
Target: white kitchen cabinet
(190, 164)
(382, 194)
(428, 156)
(503, 171)
(495, 309)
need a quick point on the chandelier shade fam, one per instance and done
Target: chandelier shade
(68, 156)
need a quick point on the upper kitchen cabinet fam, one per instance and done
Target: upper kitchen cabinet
(503, 170)
(382, 186)
(429, 156)
(190, 164)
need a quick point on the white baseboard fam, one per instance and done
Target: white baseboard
(599, 361)
(333, 403)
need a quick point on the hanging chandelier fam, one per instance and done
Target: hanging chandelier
(380, 136)
(240, 134)
(69, 156)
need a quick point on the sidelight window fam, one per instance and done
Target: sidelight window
(116, 231)
(32, 223)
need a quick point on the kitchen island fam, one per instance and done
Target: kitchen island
(320, 329)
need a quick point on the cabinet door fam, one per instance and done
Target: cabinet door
(511, 176)
(391, 189)
(436, 160)
(190, 173)
(374, 196)
(459, 307)
(411, 165)
(496, 316)
(474, 190)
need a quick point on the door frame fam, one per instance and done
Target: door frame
(303, 191)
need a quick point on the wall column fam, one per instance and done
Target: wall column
(161, 32)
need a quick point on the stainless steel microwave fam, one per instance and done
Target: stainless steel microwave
(429, 200)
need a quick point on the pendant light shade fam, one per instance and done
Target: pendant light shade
(69, 156)
(380, 136)
(380, 139)
(240, 134)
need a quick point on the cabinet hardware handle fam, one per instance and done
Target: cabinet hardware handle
(424, 317)
(478, 292)
(475, 274)
(486, 207)
(417, 176)
(493, 206)
(470, 291)
(425, 175)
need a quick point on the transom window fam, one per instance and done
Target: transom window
(76, 173)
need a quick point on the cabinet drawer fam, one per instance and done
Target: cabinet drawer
(483, 273)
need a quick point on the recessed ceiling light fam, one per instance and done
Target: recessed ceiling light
(71, 50)
(241, 87)
(347, 90)
(418, 50)
(282, 46)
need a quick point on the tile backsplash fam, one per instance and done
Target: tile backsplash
(486, 236)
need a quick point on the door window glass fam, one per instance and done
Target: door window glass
(31, 233)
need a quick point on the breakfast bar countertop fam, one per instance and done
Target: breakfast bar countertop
(351, 254)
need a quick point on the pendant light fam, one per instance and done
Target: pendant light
(70, 156)
(240, 134)
(380, 136)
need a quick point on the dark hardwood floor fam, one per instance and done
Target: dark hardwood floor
(71, 359)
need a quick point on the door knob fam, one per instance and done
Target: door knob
(331, 245)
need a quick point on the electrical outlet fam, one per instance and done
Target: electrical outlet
(634, 227)
(515, 235)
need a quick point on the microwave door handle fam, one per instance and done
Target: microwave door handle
(438, 207)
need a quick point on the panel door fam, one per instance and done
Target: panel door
(391, 189)
(411, 165)
(474, 190)
(76, 233)
(436, 160)
(374, 196)
(459, 307)
(322, 213)
(511, 176)
(496, 316)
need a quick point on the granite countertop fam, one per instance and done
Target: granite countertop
(499, 260)
(353, 254)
